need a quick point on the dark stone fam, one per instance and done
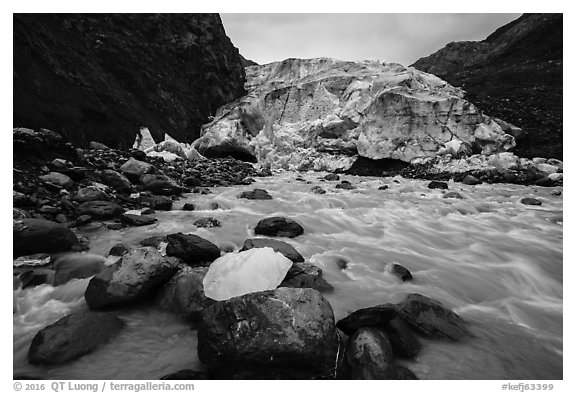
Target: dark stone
(100, 209)
(369, 355)
(257, 193)
(531, 201)
(207, 222)
(438, 184)
(286, 333)
(364, 166)
(98, 146)
(399, 271)
(345, 185)
(227, 148)
(35, 277)
(58, 179)
(160, 184)
(186, 375)
(192, 249)
(33, 236)
(118, 250)
(114, 226)
(154, 241)
(332, 177)
(318, 190)
(133, 168)
(138, 154)
(161, 202)
(134, 278)
(192, 181)
(341, 263)
(279, 246)
(89, 193)
(471, 180)
(116, 180)
(73, 336)
(278, 226)
(382, 188)
(83, 219)
(431, 318)
(214, 206)
(452, 194)
(184, 294)
(306, 275)
(21, 200)
(47, 209)
(405, 373)
(148, 211)
(76, 265)
(545, 181)
(377, 316)
(188, 207)
(404, 343)
(136, 220)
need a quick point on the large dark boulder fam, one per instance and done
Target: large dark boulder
(192, 249)
(160, 184)
(116, 180)
(377, 316)
(73, 336)
(102, 76)
(404, 342)
(432, 318)
(100, 209)
(306, 275)
(33, 236)
(281, 334)
(136, 220)
(279, 246)
(256, 193)
(89, 193)
(184, 293)
(369, 355)
(135, 277)
(278, 226)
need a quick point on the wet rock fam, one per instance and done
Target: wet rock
(207, 222)
(116, 180)
(341, 263)
(404, 343)
(60, 163)
(100, 209)
(119, 250)
(154, 241)
(33, 260)
(47, 209)
(369, 355)
(531, 201)
(161, 202)
(438, 184)
(160, 184)
(345, 185)
(133, 168)
(33, 236)
(431, 318)
(188, 207)
(318, 190)
(192, 181)
(306, 275)
(278, 226)
(556, 192)
(546, 181)
(405, 373)
(135, 277)
(192, 249)
(399, 271)
(76, 265)
(98, 146)
(35, 277)
(279, 246)
(186, 374)
(452, 194)
(136, 220)
(184, 293)
(382, 188)
(83, 219)
(281, 334)
(114, 226)
(332, 177)
(257, 193)
(214, 206)
(21, 200)
(148, 211)
(58, 179)
(73, 336)
(89, 193)
(377, 316)
(471, 180)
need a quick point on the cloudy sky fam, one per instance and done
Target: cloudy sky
(400, 38)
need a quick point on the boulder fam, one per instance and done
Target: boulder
(135, 220)
(161, 202)
(256, 193)
(58, 179)
(438, 184)
(134, 168)
(332, 177)
(116, 180)
(89, 193)
(188, 207)
(236, 274)
(345, 185)
(77, 265)
(279, 246)
(192, 249)
(318, 190)
(278, 226)
(73, 336)
(207, 222)
(154, 241)
(159, 184)
(184, 293)
(431, 318)
(453, 195)
(98, 146)
(404, 343)
(118, 250)
(531, 201)
(369, 355)
(135, 277)
(377, 316)
(33, 236)
(286, 333)
(399, 271)
(306, 275)
(100, 209)
(471, 180)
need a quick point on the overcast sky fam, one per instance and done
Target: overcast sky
(400, 38)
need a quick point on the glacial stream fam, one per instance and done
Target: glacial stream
(493, 260)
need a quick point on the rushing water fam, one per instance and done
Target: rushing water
(495, 261)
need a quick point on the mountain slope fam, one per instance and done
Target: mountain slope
(514, 74)
(102, 76)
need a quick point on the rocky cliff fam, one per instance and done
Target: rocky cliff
(102, 76)
(516, 74)
(323, 113)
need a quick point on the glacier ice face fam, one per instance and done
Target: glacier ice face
(237, 274)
